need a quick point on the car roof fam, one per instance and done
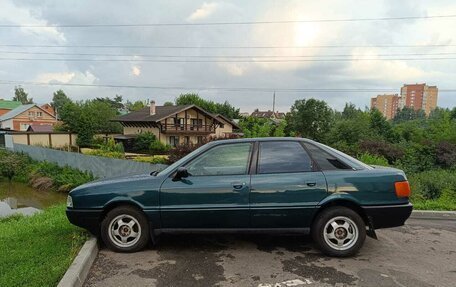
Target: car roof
(265, 139)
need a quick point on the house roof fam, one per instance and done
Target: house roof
(161, 112)
(235, 125)
(268, 114)
(9, 105)
(40, 128)
(19, 110)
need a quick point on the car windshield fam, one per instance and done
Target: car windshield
(353, 162)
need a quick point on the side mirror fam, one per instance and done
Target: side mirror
(181, 173)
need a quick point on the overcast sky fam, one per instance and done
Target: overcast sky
(386, 75)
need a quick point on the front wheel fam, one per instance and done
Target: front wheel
(339, 231)
(125, 229)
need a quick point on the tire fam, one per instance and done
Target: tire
(339, 231)
(125, 229)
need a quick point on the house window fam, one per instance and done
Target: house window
(199, 139)
(187, 140)
(39, 114)
(173, 141)
(197, 122)
(31, 114)
(222, 126)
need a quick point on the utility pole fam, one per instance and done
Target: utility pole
(273, 103)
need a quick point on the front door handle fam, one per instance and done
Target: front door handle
(311, 183)
(238, 185)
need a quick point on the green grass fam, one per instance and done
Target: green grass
(37, 250)
(434, 205)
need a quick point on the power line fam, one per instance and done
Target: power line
(220, 56)
(235, 89)
(229, 47)
(226, 61)
(93, 25)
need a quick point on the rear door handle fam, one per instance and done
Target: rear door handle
(238, 185)
(311, 183)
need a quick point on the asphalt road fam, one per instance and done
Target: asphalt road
(421, 253)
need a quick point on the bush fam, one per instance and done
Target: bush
(110, 154)
(381, 148)
(180, 151)
(155, 159)
(432, 184)
(12, 164)
(143, 141)
(157, 147)
(445, 154)
(373, 159)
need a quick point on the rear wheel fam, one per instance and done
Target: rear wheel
(339, 231)
(125, 229)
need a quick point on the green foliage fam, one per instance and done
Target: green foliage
(88, 118)
(143, 141)
(21, 96)
(409, 114)
(168, 104)
(104, 153)
(433, 184)
(311, 119)
(225, 109)
(135, 106)
(61, 178)
(11, 164)
(59, 100)
(261, 127)
(157, 147)
(155, 159)
(111, 145)
(37, 250)
(373, 159)
(381, 127)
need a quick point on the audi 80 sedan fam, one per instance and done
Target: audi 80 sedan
(248, 185)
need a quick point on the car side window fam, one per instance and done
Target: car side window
(227, 159)
(283, 157)
(324, 160)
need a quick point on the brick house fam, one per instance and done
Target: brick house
(22, 117)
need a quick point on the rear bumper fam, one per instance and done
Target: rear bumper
(385, 216)
(86, 218)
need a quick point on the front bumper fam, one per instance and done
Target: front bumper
(385, 216)
(86, 218)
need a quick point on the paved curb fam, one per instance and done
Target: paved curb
(79, 269)
(431, 214)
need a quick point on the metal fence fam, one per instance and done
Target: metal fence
(100, 166)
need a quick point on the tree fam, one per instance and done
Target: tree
(261, 127)
(59, 99)
(137, 105)
(115, 103)
(168, 104)
(310, 118)
(408, 114)
(225, 109)
(381, 127)
(21, 96)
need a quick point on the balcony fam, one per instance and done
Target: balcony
(188, 129)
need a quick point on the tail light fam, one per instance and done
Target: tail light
(402, 188)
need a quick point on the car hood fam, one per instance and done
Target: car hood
(115, 182)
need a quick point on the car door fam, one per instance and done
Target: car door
(286, 186)
(214, 195)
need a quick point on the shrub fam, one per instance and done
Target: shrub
(12, 164)
(143, 141)
(180, 151)
(373, 159)
(110, 154)
(155, 159)
(112, 146)
(432, 184)
(157, 147)
(381, 148)
(445, 154)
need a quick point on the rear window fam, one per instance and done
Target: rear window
(283, 157)
(325, 160)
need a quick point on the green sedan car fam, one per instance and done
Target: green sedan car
(286, 185)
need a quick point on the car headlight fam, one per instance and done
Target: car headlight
(69, 201)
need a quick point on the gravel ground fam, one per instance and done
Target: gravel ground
(421, 253)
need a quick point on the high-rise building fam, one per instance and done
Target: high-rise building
(416, 96)
(419, 97)
(386, 104)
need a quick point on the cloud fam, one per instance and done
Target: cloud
(203, 12)
(63, 77)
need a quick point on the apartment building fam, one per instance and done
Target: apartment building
(386, 104)
(416, 96)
